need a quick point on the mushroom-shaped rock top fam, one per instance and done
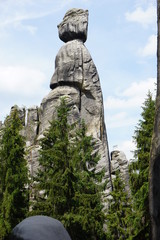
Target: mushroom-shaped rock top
(74, 25)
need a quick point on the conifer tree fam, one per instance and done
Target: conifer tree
(13, 175)
(119, 212)
(88, 189)
(66, 185)
(139, 170)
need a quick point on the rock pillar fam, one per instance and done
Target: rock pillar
(76, 78)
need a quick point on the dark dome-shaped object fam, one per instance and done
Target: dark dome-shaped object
(39, 228)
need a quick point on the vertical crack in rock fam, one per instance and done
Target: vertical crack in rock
(82, 83)
(38, 123)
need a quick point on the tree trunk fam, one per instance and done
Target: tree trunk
(154, 192)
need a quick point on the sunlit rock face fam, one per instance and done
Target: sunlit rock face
(74, 25)
(119, 163)
(76, 78)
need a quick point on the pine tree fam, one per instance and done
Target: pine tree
(66, 183)
(139, 170)
(13, 175)
(118, 215)
(55, 170)
(87, 214)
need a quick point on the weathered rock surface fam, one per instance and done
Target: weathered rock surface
(74, 25)
(75, 69)
(21, 111)
(32, 126)
(75, 78)
(1, 127)
(120, 162)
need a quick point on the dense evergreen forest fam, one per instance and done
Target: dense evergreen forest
(67, 185)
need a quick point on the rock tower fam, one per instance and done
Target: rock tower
(75, 78)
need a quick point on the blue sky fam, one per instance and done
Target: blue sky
(122, 43)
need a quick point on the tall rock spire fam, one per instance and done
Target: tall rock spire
(76, 78)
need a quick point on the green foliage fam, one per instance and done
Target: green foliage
(67, 185)
(139, 170)
(118, 216)
(13, 176)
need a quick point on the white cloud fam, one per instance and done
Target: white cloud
(140, 88)
(119, 120)
(127, 146)
(122, 110)
(122, 103)
(132, 97)
(150, 48)
(140, 3)
(141, 16)
(14, 12)
(29, 28)
(21, 81)
(21, 85)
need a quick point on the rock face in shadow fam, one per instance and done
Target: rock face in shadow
(154, 176)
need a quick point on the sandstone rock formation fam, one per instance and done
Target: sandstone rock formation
(120, 162)
(0, 124)
(74, 25)
(76, 78)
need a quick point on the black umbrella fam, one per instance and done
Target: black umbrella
(40, 228)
